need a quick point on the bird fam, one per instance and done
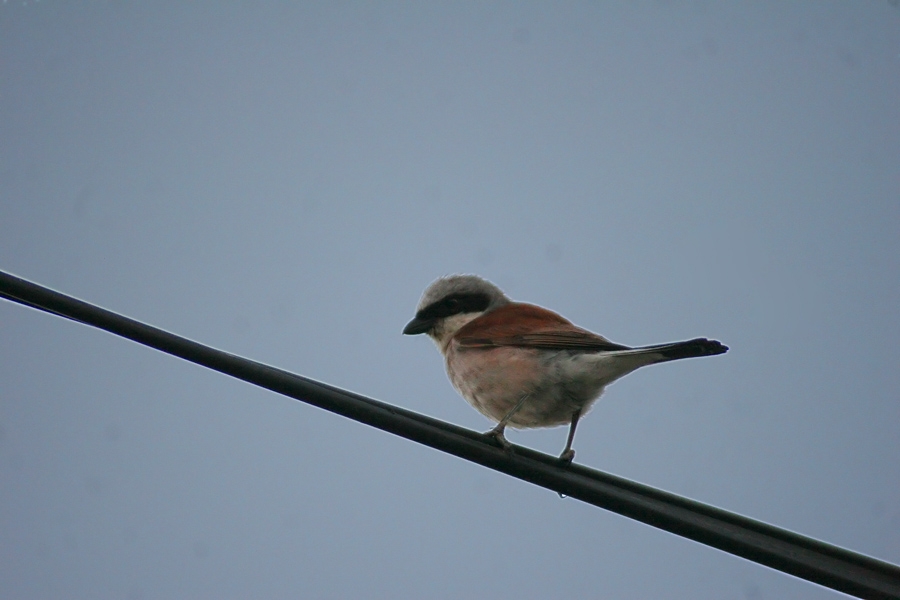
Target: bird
(522, 365)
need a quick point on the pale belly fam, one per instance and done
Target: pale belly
(494, 380)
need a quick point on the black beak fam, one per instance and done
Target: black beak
(418, 325)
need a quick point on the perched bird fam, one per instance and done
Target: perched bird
(525, 366)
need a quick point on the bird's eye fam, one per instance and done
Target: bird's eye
(452, 303)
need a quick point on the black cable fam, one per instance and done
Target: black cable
(803, 557)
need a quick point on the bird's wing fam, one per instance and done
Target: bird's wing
(529, 326)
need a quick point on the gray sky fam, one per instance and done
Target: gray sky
(283, 180)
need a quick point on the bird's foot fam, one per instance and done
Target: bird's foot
(496, 434)
(567, 457)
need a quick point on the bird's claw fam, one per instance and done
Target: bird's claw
(497, 435)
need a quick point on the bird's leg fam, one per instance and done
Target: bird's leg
(497, 431)
(568, 454)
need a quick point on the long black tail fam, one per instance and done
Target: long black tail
(688, 349)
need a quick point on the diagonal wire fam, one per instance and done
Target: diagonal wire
(786, 551)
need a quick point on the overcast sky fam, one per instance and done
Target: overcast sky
(282, 180)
